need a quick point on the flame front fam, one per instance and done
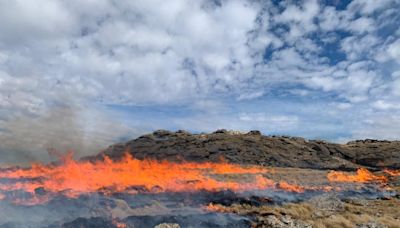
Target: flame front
(362, 176)
(73, 178)
(392, 172)
(291, 187)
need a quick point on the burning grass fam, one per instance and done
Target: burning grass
(72, 178)
(267, 194)
(362, 176)
(392, 172)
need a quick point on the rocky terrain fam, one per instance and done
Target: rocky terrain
(255, 148)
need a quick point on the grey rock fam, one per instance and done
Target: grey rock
(372, 225)
(254, 148)
(168, 225)
(286, 221)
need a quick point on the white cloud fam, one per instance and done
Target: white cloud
(362, 25)
(357, 48)
(343, 106)
(29, 21)
(395, 86)
(197, 54)
(299, 18)
(394, 50)
(381, 126)
(250, 95)
(281, 122)
(303, 14)
(385, 105)
(330, 19)
(368, 7)
(134, 53)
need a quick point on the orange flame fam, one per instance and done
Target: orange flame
(216, 208)
(392, 172)
(290, 187)
(118, 224)
(362, 176)
(73, 178)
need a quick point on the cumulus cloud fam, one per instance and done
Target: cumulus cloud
(204, 58)
(271, 122)
(394, 50)
(379, 126)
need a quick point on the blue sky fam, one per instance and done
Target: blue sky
(84, 74)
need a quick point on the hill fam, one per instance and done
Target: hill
(255, 148)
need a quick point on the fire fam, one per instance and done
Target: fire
(362, 176)
(216, 208)
(392, 172)
(290, 187)
(119, 224)
(73, 178)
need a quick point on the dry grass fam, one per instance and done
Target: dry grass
(325, 214)
(385, 212)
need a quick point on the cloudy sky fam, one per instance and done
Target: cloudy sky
(83, 74)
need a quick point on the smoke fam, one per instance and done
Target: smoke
(83, 130)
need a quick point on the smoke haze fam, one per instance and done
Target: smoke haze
(64, 128)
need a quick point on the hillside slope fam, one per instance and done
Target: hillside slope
(255, 148)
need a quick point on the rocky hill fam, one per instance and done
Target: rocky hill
(255, 148)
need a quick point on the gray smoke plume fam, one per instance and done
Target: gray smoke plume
(85, 131)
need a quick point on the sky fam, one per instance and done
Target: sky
(81, 75)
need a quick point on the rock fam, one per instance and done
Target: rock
(375, 153)
(190, 220)
(272, 221)
(254, 132)
(183, 132)
(168, 225)
(371, 225)
(220, 131)
(254, 148)
(162, 133)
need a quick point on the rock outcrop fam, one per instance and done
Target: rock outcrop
(255, 148)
